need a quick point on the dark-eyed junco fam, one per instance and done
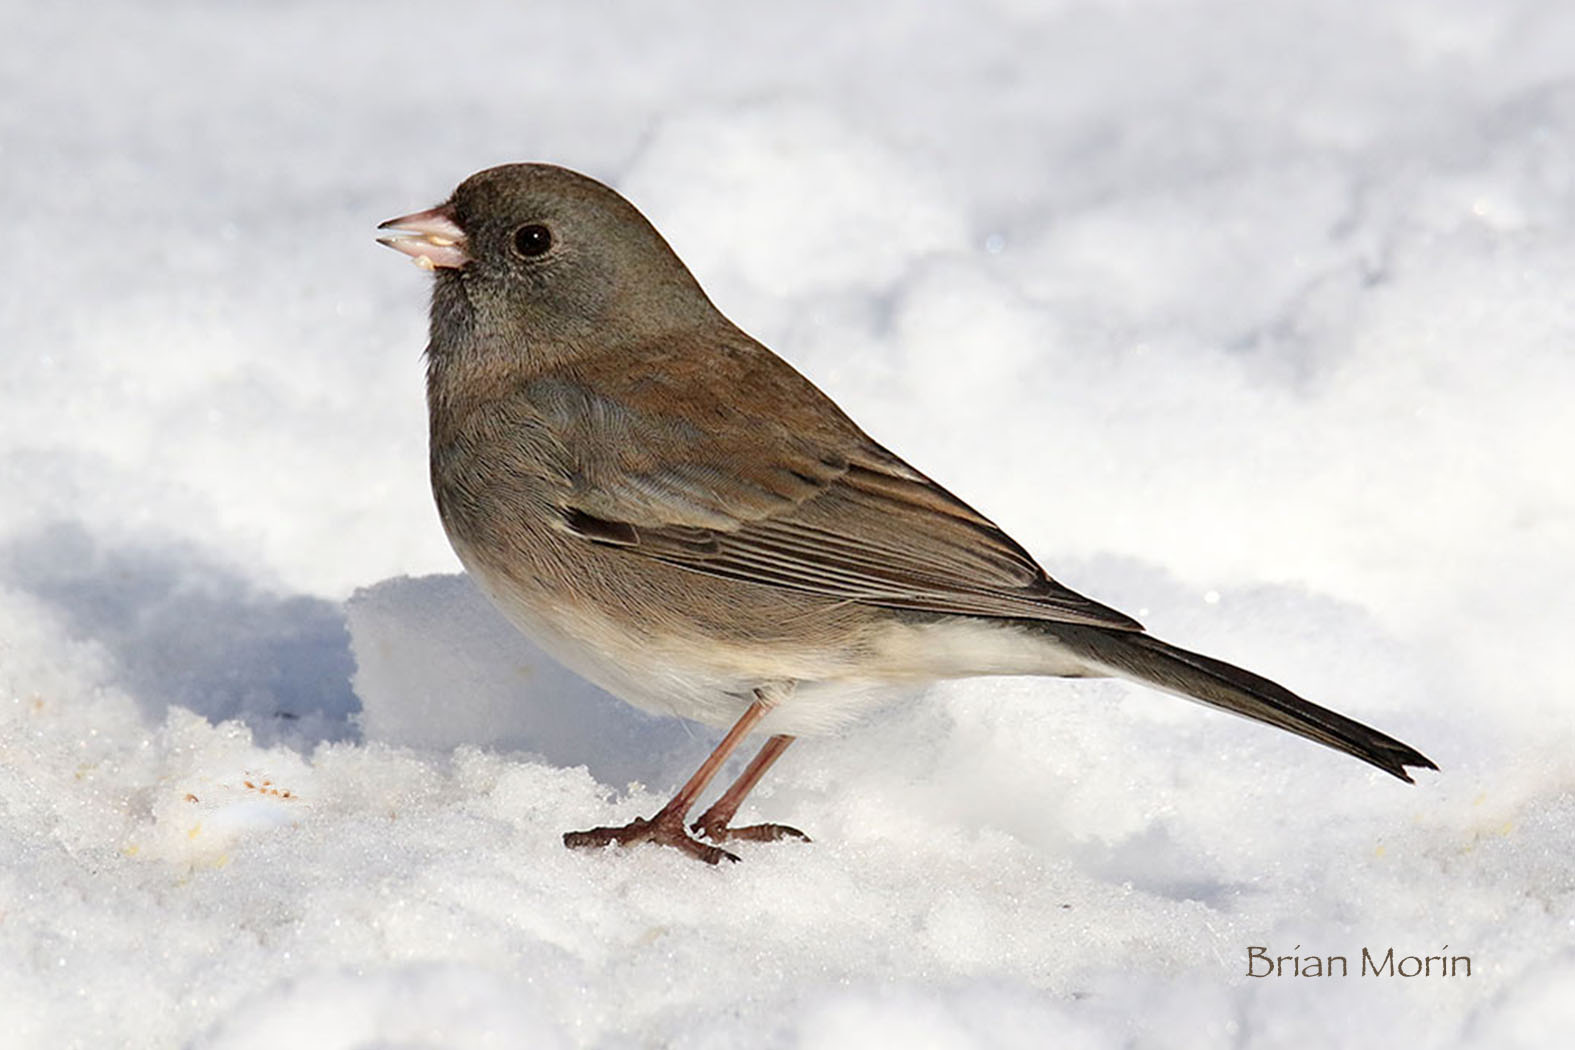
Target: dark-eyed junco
(675, 513)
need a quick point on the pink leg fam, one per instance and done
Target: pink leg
(667, 827)
(713, 823)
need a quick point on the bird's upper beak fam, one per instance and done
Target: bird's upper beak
(438, 242)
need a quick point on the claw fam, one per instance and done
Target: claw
(662, 832)
(718, 832)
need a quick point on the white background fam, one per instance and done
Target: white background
(1252, 320)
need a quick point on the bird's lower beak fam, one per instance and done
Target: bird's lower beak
(438, 240)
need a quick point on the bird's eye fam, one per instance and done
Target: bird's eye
(533, 240)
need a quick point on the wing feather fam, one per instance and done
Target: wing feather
(800, 498)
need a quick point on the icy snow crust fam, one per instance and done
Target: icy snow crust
(1252, 320)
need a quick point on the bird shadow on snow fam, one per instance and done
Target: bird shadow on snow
(182, 630)
(424, 663)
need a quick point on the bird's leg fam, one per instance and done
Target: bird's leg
(713, 823)
(667, 827)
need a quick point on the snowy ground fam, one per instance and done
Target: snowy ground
(1256, 322)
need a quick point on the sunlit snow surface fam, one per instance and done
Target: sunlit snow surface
(1254, 320)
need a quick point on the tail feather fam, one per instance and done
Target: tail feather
(1146, 659)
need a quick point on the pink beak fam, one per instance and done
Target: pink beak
(438, 242)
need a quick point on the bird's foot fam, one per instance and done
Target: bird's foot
(661, 829)
(718, 831)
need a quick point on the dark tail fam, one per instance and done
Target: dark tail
(1146, 659)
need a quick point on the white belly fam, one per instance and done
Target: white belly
(713, 681)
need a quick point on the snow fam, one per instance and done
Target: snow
(1251, 320)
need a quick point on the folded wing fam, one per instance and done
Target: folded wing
(802, 500)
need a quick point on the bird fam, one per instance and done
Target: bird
(677, 514)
